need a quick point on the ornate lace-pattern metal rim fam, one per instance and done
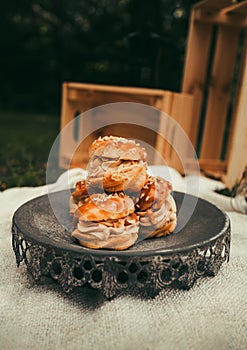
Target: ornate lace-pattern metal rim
(47, 249)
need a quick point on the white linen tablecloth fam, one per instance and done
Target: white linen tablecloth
(211, 315)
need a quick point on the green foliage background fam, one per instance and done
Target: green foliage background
(44, 43)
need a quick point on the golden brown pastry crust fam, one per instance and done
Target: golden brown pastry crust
(101, 142)
(154, 192)
(129, 176)
(81, 192)
(113, 147)
(106, 207)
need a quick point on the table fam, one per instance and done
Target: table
(212, 314)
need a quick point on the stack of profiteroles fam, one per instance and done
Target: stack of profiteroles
(119, 203)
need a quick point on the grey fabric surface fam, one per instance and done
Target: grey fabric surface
(211, 315)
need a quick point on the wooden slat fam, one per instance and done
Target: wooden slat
(213, 165)
(66, 117)
(238, 151)
(237, 9)
(103, 97)
(182, 110)
(213, 168)
(195, 68)
(219, 93)
(117, 89)
(161, 146)
(213, 4)
(218, 17)
(182, 113)
(238, 88)
(170, 140)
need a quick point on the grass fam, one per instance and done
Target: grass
(25, 142)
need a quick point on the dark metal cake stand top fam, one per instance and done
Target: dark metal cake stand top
(46, 247)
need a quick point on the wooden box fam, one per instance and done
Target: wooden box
(78, 98)
(215, 72)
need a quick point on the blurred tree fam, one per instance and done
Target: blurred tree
(44, 43)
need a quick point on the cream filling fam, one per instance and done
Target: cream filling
(100, 167)
(103, 232)
(157, 218)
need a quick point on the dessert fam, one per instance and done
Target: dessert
(107, 221)
(128, 177)
(156, 208)
(78, 197)
(117, 164)
(118, 201)
(114, 147)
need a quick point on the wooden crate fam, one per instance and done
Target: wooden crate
(78, 98)
(215, 73)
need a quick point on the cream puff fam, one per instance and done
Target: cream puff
(107, 222)
(156, 208)
(128, 176)
(117, 164)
